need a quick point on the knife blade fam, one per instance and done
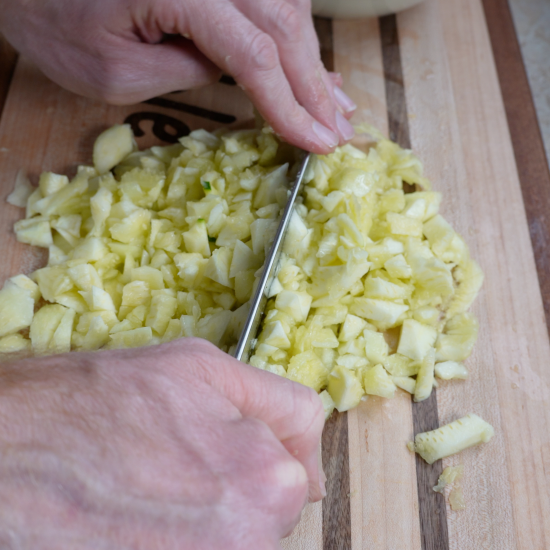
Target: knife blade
(271, 264)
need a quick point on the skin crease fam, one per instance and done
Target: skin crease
(117, 449)
(125, 51)
(177, 446)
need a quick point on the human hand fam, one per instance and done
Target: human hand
(115, 50)
(177, 446)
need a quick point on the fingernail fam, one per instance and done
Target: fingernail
(343, 100)
(345, 128)
(322, 475)
(322, 483)
(329, 138)
(290, 474)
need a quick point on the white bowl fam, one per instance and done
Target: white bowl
(359, 8)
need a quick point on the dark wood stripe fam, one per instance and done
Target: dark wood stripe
(336, 505)
(432, 510)
(335, 443)
(529, 152)
(323, 27)
(398, 122)
(8, 59)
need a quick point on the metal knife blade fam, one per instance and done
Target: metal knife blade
(260, 297)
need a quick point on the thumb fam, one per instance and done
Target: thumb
(175, 64)
(293, 412)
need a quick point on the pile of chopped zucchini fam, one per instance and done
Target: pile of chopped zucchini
(144, 247)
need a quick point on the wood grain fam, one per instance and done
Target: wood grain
(458, 127)
(398, 124)
(336, 526)
(431, 507)
(457, 124)
(46, 128)
(525, 134)
(436, 136)
(384, 502)
(323, 27)
(516, 324)
(336, 505)
(308, 534)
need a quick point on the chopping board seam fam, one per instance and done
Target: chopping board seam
(525, 135)
(537, 445)
(528, 147)
(336, 506)
(432, 510)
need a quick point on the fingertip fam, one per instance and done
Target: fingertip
(336, 78)
(317, 491)
(322, 488)
(325, 138)
(317, 487)
(322, 483)
(290, 474)
(318, 140)
(346, 104)
(342, 108)
(317, 479)
(345, 129)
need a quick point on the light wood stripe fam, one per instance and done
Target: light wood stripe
(437, 138)
(336, 527)
(529, 152)
(308, 534)
(384, 505)
(431, 507)
(458, 127)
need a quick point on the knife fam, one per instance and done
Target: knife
(245, 346)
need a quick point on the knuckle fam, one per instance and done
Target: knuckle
(287, 21)
(198, 345)
(112, 78)
(309, 407)
(109, 84)
(287, 481)
(198, 355)
(263, 55)
(303, 6)
(270, 463)
(195, 349)
(169, 361)
(272, 468)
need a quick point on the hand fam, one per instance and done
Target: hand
(116, 50)
(177, 446)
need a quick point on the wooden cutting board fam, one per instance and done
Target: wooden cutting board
(426, 77)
